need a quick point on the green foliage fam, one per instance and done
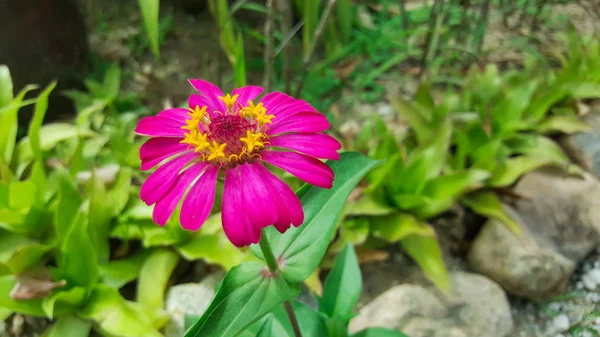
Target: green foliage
(246, 294)
(55, 259)
(150, 14)
(302, 248)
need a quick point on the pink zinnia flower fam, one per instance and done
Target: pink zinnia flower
(233, 136)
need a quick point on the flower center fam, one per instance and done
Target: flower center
(228, 137)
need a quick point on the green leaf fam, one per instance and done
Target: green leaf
(564, 124)
(6, 86)
(117, 273)
(69, 202)
(311, 323)
(379, 332)
(214, 248)
(31, 307)
(367, 205)
(154, 276)
(246, 295)
(396, 227)
(115, 316)
(38, 118)
(77, 158)
(239, 68)
(19, 253)
(540, 106)
(544, 148)
(64, 301)
(343, 286)
(39, 179)
(70, 326)
(20, 195)
(445, 190)
(99, 217)
(345, 15)
(119, 193)
(585, 90)
(112, 78)
(9, 125)
(77, 255)
(50, 136)
(272, 327)
(512, 107)
(488, 205)
(226, 33)
(417, 119)
(425, 250)
(513, 168)
(424, 163)
(355, 231)
(302, 248)
(150, 14)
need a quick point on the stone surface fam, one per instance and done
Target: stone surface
(559, 219)
(422, 312)
(584, 148)
(191, 299)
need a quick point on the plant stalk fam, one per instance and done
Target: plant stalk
(315, 41)
(269, 57)
(265, 247)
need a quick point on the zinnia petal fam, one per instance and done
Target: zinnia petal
(273, 100)
(155, 150)
(179, 115)
(247, 93)
(285, 200)
(257, 201)
(196, 100)
(200, 200)
(161, 180)
(306, 168)
(301, 122)
(318, 145)
(236, 225)
(210, 91)
(159, 126)
(165, 206)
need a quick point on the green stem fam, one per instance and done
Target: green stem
(265, 246)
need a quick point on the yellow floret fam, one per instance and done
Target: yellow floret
(228, 100)
(216, 150)
(253, 140)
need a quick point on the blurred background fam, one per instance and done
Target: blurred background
(485, 112)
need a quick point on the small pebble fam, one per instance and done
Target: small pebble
(594, 275)
(561, 323)
(589, 283)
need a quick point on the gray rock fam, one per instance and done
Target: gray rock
(519, 264)
(191, 299)
(395, 306)
(477, 307)
(481, 304)
(427, 327)
(559, 220)
(584, 148)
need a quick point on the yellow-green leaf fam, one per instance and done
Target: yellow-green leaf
(425, 250)
(488, 204)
